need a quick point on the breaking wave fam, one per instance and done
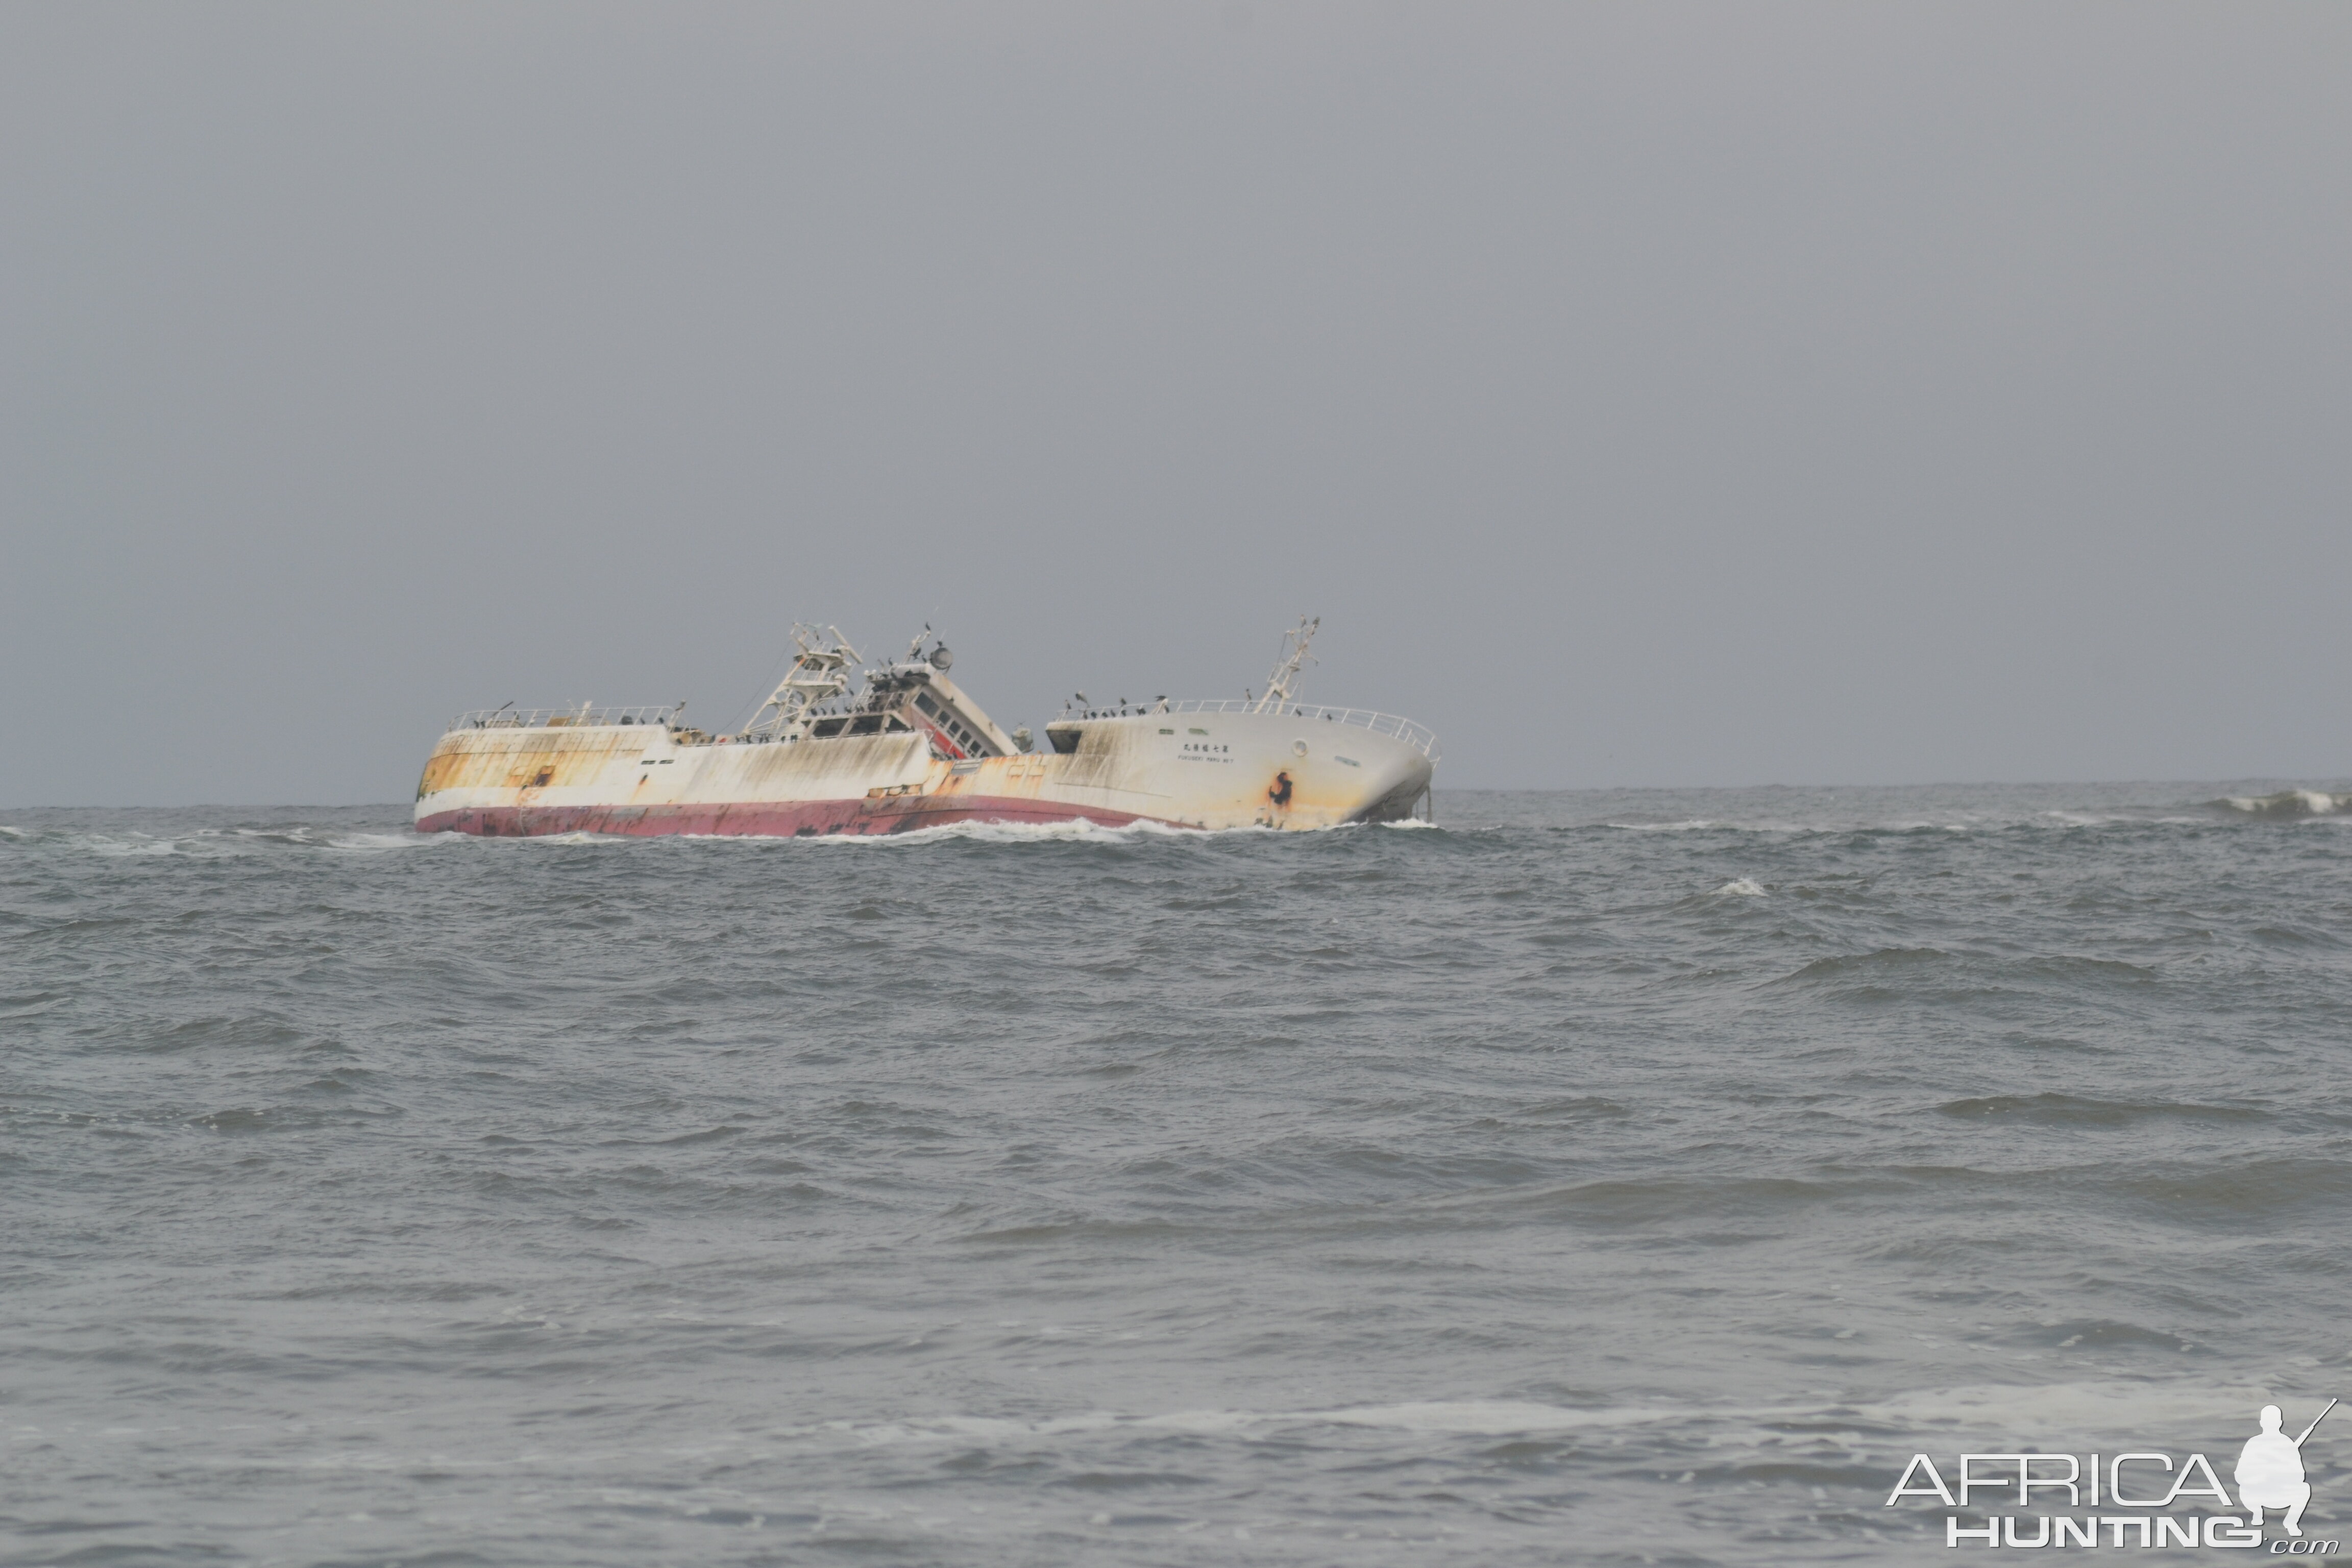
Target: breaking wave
(2287, 803)
(223, 843)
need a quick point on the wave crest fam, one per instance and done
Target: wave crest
(2287, 803)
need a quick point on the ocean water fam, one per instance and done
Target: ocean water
(1587, 1178)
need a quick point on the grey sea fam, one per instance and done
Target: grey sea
(1634, 1177)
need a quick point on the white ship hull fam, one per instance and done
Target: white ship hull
(1215, 766)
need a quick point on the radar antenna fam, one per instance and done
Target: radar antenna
(1286, 668)
(820, 673)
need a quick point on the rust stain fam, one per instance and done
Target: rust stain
(1108, 770)
(441, 771)
(524, 760)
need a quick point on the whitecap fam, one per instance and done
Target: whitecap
(2131, 1408)
(382, 843)
(2290, 803)
(1074, 830)
(1061, 831)
(1481, 1418)
(1717, 824)
(1470, 1417)
(138, 844)
(2088, 1408)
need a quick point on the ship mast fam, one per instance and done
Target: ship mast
(1286, 668)
(820, 673)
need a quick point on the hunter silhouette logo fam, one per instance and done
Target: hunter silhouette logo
(2269, 1470)
(2269, 1475)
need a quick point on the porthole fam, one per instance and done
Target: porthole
(1299, 747)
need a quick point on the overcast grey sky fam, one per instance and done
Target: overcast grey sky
(1642, 393)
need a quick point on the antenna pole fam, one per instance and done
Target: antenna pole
(1286, 670)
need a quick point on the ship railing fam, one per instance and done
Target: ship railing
(1419, 737)
(559, 718)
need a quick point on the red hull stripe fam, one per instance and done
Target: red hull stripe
(781, 819)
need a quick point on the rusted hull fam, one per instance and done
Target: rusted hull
(1190, 770)
(800, 819)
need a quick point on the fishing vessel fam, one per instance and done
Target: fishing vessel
(905, 748)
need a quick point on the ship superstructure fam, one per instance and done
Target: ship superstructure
(909, 749)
